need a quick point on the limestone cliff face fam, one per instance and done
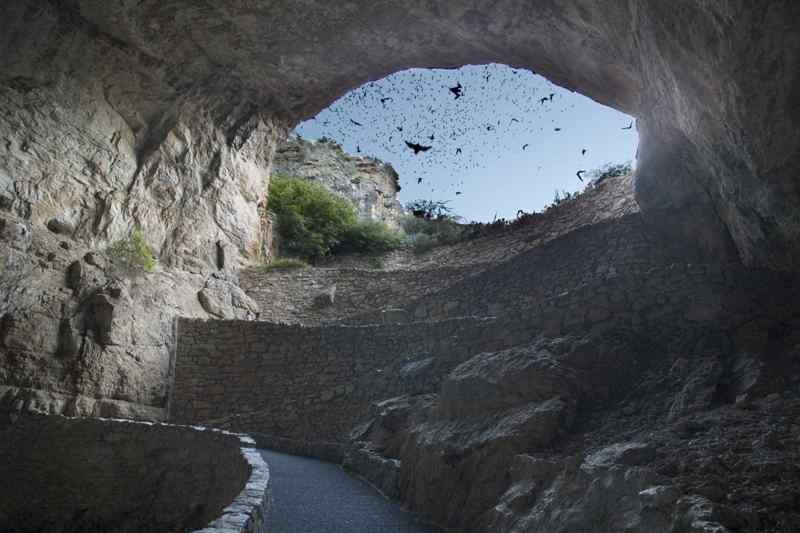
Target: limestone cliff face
(164, 114)
(714, 85)
(370, 184)
(75, 337)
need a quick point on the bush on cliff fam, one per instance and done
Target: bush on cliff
(612, 171)
(370, 236)
(427, 233)
(311, 220)
(314, 222)
(131, 256)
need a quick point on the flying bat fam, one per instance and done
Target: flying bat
(417, 147)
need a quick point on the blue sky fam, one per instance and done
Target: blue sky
(476, 140)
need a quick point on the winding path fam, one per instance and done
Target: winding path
(311, 496)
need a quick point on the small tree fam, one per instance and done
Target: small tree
(430, 210)
(431, 224)
(370, 236)
(132, 256)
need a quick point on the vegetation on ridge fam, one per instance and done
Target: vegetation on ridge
(314, 222)
(431, 224)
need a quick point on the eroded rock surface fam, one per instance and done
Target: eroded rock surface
(370, 184)
(714, 85)
(80, 336)
(520, 440)
(165, 115)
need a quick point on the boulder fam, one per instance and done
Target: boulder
(60, 226)
(210, 304)
(627, 453)
(74, 275)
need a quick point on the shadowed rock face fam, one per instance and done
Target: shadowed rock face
(713, 84)
(165, 115)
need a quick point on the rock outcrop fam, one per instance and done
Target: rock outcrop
(370, 184)
(567, 432)
(165, 115)
(75, 176)
(713, 85)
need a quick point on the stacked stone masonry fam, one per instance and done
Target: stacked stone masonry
(356, 288)
(312, 384)
(292, 296)
(589, 255)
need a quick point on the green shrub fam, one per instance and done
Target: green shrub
(613, 171)
(314, 222)
(311, 219)
(424, 242)
(562, 197)
(424, 233)
(430, 209)
(370, 236)
(283, 263)
(132, 255)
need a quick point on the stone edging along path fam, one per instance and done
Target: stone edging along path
(249, 511)
(236, 477)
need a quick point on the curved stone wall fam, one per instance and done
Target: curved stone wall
(310, 296)
(310, 384)
(75, 474)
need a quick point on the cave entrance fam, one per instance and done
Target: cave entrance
(487, 140)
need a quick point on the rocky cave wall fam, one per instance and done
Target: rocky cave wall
(78, 172)
(165, 115)
(713, 85)
(313, 383)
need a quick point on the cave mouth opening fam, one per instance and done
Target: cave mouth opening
(488, 140)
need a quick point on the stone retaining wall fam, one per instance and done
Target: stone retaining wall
(312, 383)
(303, 388)
(298, 296)
(588, 255)
(88, 474)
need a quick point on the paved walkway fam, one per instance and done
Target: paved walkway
(311, 496)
